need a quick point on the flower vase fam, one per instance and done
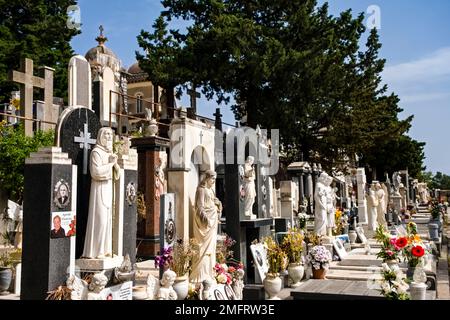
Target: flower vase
(410, 272)
(272, 286)
(5, 280)
(319, 273)
(391, 263)
(181, 287)
(352, 235)
(296, 272)
(418, 291)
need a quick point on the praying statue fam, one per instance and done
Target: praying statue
(249, 187)
(104, 169)
(321, 206)
(208, 210)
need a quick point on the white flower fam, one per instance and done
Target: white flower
(385, 267)
(221, 278)
(224, 266)
(385, 287)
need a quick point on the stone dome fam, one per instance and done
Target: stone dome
(135, 69)
(100, 49)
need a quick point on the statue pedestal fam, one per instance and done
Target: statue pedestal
(148, 233)
(397, 200)
(98, 265)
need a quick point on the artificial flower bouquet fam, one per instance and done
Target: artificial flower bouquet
(393, 284)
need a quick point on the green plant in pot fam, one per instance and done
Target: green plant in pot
(6, 272)
(277, 261)
(292, 246)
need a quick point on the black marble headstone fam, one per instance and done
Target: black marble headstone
(129, 215)
(76, 134)
(45, 256)
(240, 229)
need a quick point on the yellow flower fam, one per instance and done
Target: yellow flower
(417, 238)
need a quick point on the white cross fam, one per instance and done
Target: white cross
(85, 143)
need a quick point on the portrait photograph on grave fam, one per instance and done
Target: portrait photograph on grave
(63, 225)
(62, 195)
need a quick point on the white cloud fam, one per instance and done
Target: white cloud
(432, 68)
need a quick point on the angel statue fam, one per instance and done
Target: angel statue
(162, 290)
(81, 290)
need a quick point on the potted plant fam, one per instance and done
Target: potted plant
(320, 259)
(6, 272)
(181, 264)
(277, 261)
(292, 245)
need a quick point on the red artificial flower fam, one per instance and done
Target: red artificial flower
(417, 251)
(401, 242)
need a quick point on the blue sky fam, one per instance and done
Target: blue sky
(416, 43)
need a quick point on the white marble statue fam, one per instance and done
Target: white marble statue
(331, 207)
(320, 210)
(238, 284)
(403, 192)
(208, 210)
(372, 203)
(166, 291)
(81, 290)
(382, 205)
(161, 289)
(396, 180)
(206, 291)
(104, 169)
(249, 187)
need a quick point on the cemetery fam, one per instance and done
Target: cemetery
(136, 198)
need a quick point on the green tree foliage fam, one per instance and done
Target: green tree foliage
(439, 181)
(35, 29)
(15, 147)
(289, 65)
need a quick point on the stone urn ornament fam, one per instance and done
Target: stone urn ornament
(152, 129)
(272, 286)
(352, 235)
(296, 272)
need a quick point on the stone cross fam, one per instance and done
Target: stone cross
(194, 95)
(85, 143)
(27, 82)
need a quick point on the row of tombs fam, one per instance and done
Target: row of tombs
(98, 200)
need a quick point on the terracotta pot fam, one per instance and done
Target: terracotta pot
(319, 273)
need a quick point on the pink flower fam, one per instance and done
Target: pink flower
(389, 253)
(393, 240)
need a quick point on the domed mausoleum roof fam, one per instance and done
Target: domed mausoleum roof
(101, 55)
(135, 68)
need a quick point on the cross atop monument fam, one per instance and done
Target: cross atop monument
(85, 143)
(28, 81)
(101, 39)
(194, 95)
